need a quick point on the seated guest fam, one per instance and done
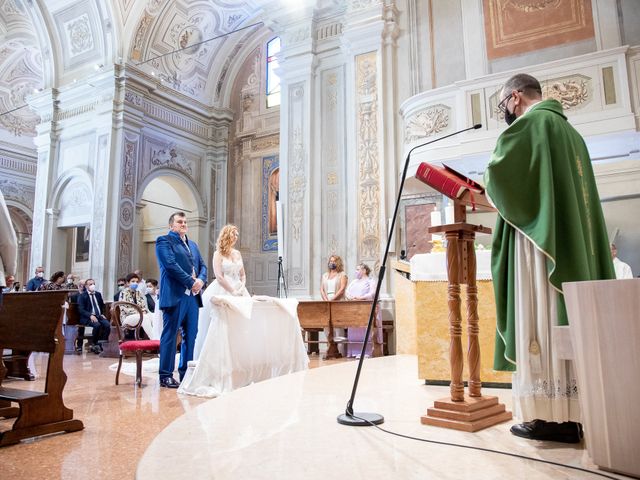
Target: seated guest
(128, 315)
(362, 288)
(152, 294)
(121, 284)
(36, 282)
(56, 282)
(142, 283)
(622, 269)
(71, 284)
(90, 307)
(73, 297)
(9, 281)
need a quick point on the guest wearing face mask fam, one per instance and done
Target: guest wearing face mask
(90, 307)
(362, 288)
(36, 282)
(332, 287)
(71, 284)
(121, 284)
(152, 294)
(334, 280)
(128, 315)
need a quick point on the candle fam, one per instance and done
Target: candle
(448, 215)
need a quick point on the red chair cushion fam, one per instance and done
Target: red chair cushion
(140, 345)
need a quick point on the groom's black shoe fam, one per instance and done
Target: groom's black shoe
(566, 432)
(169, 382)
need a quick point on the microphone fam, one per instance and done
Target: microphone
(362, 419)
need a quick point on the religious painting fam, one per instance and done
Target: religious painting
(82, 244)
(270, 195)
(514, 27)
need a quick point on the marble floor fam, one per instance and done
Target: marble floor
(283, 428)
(119, 423)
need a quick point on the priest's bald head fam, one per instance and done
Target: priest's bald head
(518, 94)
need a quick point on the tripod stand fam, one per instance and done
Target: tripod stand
(282, 282)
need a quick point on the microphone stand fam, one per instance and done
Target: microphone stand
(362, 419)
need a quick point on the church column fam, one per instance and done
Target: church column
(217, 157)
(44, 104)
(369, 42)
(121, 197)
(298, 172)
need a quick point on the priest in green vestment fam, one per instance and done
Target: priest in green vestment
(550, 229)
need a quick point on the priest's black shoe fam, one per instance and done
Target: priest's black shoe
(169, 382)
(566, 432)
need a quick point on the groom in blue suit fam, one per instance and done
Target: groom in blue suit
(182, 275)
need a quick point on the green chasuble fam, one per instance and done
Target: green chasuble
(541, 181)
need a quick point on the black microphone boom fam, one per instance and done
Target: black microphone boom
(361, 419)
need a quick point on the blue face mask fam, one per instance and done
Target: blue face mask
(133, 286)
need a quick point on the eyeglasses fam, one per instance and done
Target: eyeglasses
(502, 106)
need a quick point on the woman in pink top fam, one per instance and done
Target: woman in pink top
(362, 288)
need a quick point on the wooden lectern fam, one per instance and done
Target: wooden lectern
(474, 411)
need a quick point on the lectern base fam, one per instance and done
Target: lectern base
(470, 415)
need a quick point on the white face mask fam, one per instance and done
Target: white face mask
(40, 274)
(91, 288)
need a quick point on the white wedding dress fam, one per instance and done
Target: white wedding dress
(242, 340)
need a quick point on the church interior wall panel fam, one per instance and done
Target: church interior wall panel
(448, 43)
(514, 28)
(333, 168)
(630, 18)
(77, 152)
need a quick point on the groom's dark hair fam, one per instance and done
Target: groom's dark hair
(176, 214)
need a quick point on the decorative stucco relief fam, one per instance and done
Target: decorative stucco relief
(20, 74)
(427, 122)
(265, 143)
(571, 92)
(298, 184)
(368, 158)
(169, 117)
(18, 192)
(170, 157)
(125, 261)
(128, 169)
(76, 197)
(21, 166)
(354, 5)
(79, 35)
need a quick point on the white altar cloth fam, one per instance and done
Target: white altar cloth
(432, 267)
(250, 339)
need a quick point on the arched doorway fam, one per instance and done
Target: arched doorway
(22, 224)
(162, 196)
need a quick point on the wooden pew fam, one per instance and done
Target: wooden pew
(32, 322)
(319, 314)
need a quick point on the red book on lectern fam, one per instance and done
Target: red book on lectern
(447, 181)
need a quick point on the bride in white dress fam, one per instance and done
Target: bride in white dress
(230, 280)
(234, 348)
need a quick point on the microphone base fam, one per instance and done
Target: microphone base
(352, 421)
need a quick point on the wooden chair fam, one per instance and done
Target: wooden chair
(135, 346)
(32, 322)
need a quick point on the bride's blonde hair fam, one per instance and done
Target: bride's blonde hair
(225, 241)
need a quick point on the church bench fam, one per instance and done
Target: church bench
(32, 322)
(316, 315)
